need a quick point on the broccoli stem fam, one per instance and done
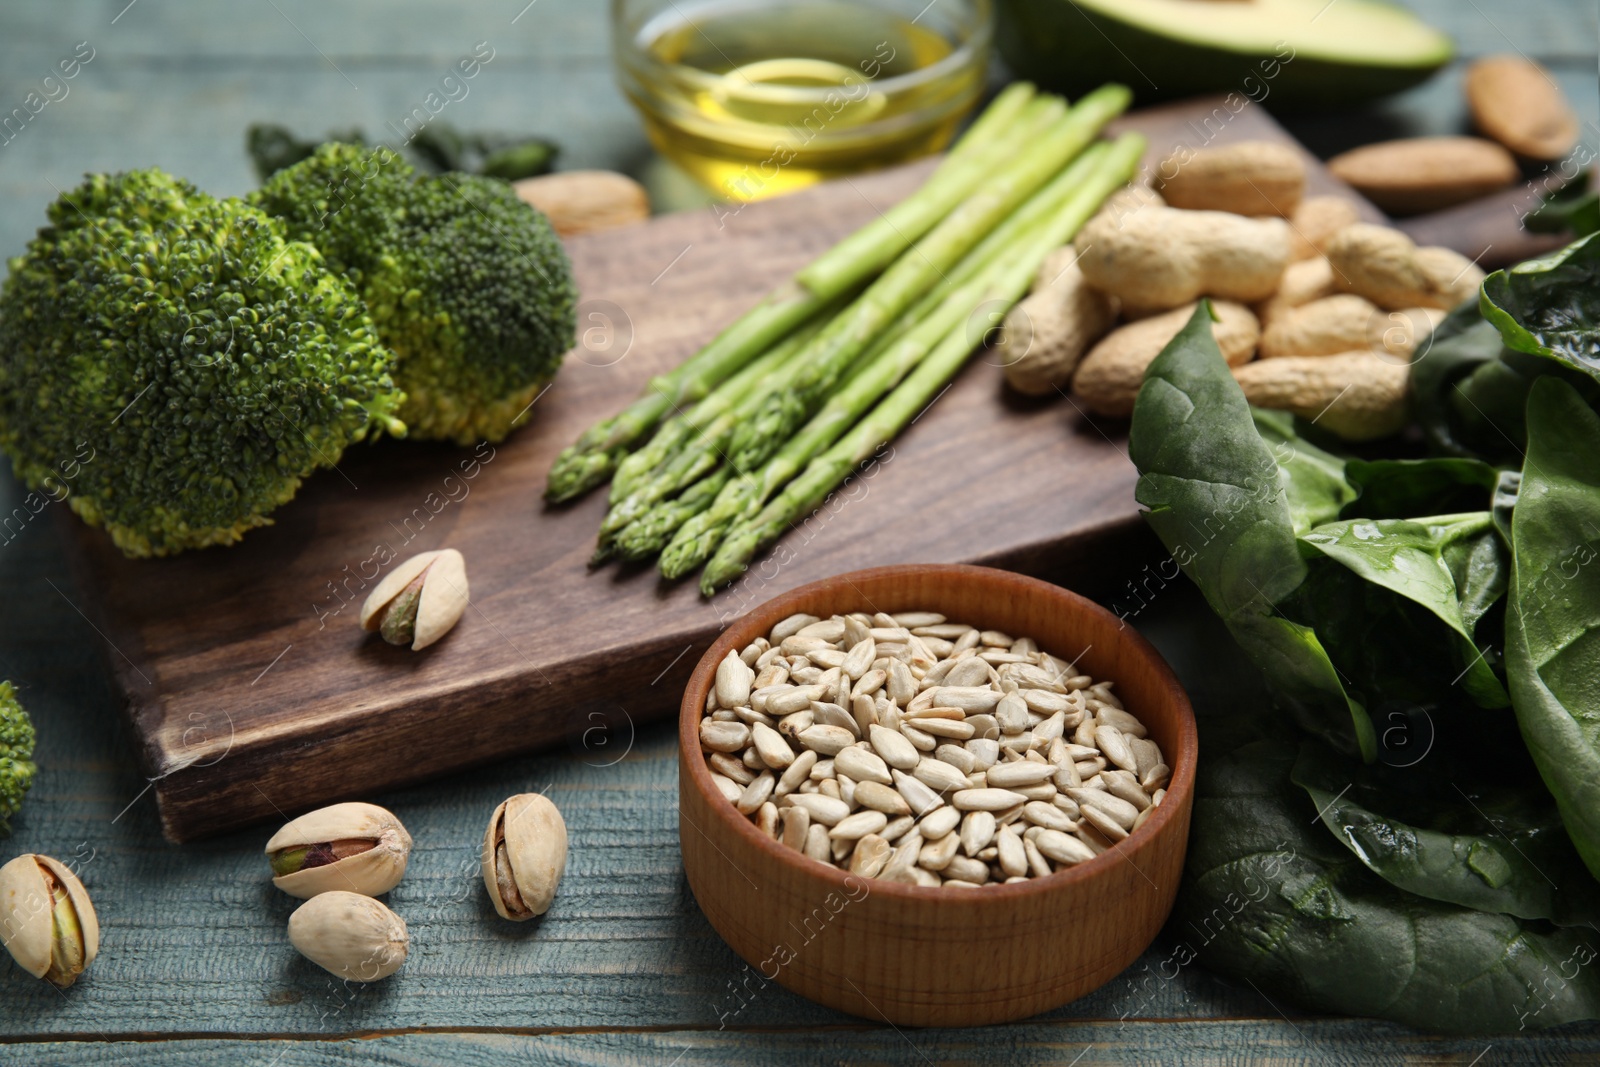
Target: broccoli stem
(919, 270)
(805, 493)
(594, 456)
(955, 300)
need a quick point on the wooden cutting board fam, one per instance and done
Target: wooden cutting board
(254, 693)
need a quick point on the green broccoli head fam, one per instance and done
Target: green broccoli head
(150, 197)
(346, 200)
(467, 283)
(175, 381)
(16, 755)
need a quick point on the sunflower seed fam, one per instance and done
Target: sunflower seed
(986, 799)
(967, 870)
(870, 855)
(726, 786)
(936, 855)
(938, 775)
(824, 810)
(756, 793)
(919, 796)
(858, 825)
(1020, 773)
(1061, 848)
(1037, 864)
(723, 736)
(796, 773)
(828, 740)
(862, 765)
(879, 797)
(729, 767)
(977, 830)
(939, 822)
(896, 751)
(967, 698)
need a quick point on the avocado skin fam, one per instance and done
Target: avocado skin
(1068, 49)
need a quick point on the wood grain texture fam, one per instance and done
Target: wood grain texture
(914, 956)
(254, 692)
(1175, 1043)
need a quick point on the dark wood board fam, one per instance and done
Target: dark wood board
(253, 693)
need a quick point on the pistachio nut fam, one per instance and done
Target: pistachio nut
(420, 600)
(47, 922)
(349, 935)
(359, 848)
(524, 856)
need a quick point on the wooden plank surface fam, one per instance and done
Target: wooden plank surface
(254, 692)
(178, 84)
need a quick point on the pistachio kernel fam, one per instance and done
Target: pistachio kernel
(304, 857)
(398, 625)
(508, 884)
(66, 935)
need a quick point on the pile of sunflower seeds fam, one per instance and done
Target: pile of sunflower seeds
(926, 752)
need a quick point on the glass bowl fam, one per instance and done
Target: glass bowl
(760, 97)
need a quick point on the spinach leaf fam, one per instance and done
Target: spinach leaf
(1270, 898)
(1407, 488)
(1550, 306)
(1408, 557)
(1460, 345)
(1505, 500)
(1214, 496)
(1313, 480)
(1553, 615)
(1491, 849)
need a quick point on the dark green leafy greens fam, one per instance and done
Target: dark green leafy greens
(1488, 847)
(1214, 495)
(1448, 563)
(1410, 488)
(1271, 896)
(1427, 595)
(1549, 306)
(1553, 619)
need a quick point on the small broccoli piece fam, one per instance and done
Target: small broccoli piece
(16, 755)
(175, 380)
(467, 283)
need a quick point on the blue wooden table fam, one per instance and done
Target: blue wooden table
(195, 967)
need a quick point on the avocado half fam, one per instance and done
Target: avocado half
(1299, 53)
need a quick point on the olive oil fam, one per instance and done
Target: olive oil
(756, 99)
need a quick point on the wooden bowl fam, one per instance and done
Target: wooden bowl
(916, 956)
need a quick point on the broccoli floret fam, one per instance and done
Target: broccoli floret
(175, 372)
(16, 755)
(467, 283)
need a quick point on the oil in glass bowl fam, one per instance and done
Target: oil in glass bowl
(759, 98)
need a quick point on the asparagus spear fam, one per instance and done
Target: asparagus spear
(633, 471)
(591, 459)
(802, 495)
(917, 271)
(704, 447)
(1013, 114)
(882, 368)
(648, 535)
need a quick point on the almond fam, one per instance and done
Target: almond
(1516, 102)
(1248, 178)
(1425, 173)
(583, 201)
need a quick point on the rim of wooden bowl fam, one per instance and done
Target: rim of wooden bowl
(758, 621)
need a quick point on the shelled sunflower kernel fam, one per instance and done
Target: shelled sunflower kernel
(916, 750)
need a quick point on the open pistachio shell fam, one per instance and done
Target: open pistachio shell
(524, 856)
(332, 839)
(350, 935)
(439, 607)
(32, 922)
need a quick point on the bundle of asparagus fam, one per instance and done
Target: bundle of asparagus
(752, 433)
